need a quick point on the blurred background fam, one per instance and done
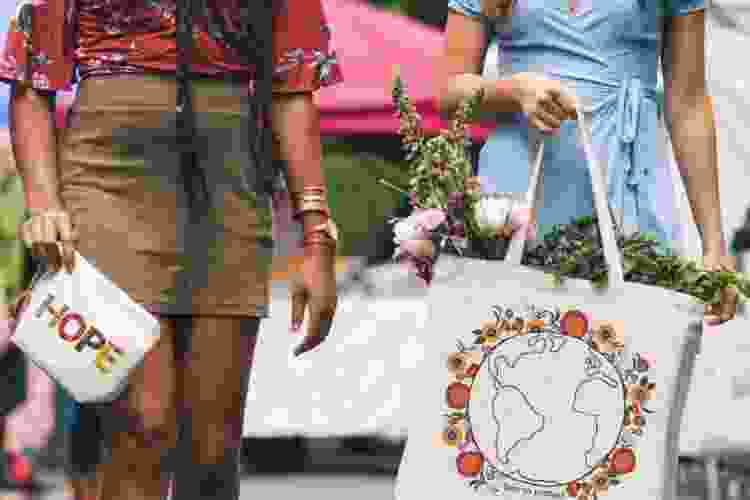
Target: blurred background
(337, 422)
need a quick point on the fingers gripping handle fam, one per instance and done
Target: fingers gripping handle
(601, 206)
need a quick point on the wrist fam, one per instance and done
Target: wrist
(713, 242)
(38, 202)
(516, 85)
(310, 220)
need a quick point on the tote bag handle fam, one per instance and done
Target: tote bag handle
(601, 207)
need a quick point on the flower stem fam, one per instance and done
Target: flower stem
(395, 188)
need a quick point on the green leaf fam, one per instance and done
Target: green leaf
(168, 295)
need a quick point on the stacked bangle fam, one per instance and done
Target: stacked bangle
(312, 199)
(325, 234)
(320, 240)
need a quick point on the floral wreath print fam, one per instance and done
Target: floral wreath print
(602, 337)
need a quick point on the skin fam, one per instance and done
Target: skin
(546, 105)
(166, 388)
(690, 117)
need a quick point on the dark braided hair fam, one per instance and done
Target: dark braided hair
(251, 39)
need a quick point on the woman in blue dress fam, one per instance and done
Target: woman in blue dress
(603, 56)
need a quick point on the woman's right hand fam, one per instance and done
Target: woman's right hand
(50, 235)
(543, 101)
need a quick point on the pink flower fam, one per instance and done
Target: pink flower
(423, 268)
(428, 219)
(520, 219)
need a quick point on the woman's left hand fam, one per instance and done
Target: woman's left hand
(726, 308)
(315, 291)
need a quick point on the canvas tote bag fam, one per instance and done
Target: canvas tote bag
(531, 390)
(83, 331)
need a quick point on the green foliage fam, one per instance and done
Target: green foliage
(439, 166)
(357, 201)
(574, 250)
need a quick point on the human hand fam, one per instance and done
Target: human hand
(50, 235)
(543, 101)
(726, 308)
(314, 290)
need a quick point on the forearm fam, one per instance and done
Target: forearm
(296, 130)
(693, 137)
(499, 95)
(34, 140)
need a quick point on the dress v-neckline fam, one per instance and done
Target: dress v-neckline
(573, 8)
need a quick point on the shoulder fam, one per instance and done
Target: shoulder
(471, 8)
(684, 7)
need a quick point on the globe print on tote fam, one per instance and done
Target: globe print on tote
(547, 410)
(546, 401)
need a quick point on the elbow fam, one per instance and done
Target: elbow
(443, 101)
(27, 104)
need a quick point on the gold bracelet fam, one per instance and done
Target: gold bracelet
(310, 204)
(311, 199)
(319, 240)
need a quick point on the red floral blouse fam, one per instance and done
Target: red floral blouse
(53, 43)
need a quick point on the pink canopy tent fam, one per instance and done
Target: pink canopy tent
(369, 43)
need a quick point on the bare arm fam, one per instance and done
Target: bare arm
(296, 127)
(34, 140)
(459, 77)
(459, 72)
(690, 117)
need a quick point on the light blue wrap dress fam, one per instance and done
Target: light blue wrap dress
(607, 54)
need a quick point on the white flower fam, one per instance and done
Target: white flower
(418, 225)
(406, 230)
(493, 210)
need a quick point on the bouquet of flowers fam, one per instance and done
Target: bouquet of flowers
(450, 209)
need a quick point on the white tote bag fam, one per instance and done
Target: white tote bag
(84, 332)
(531, 390)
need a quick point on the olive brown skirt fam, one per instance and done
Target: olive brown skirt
(120, 180)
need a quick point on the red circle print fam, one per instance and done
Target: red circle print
(469, 464)
(622, 461)
(76, 319)
(457, 395)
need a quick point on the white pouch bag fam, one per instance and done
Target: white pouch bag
(84, 332)
(536, 390)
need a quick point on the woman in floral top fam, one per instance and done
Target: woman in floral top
(110, 186)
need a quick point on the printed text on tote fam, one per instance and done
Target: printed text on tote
(72, 328)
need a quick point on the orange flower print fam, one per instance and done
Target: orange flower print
(452, 435)
(458, 364)
(643, 391)
(534, 325)
(633, 423)
(607, 337)
(574, 324)
(469, 464)
(600, 479)
(489, 332)
(585, 491)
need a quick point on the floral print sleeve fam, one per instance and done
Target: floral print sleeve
(303, 55)
(39, 45)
